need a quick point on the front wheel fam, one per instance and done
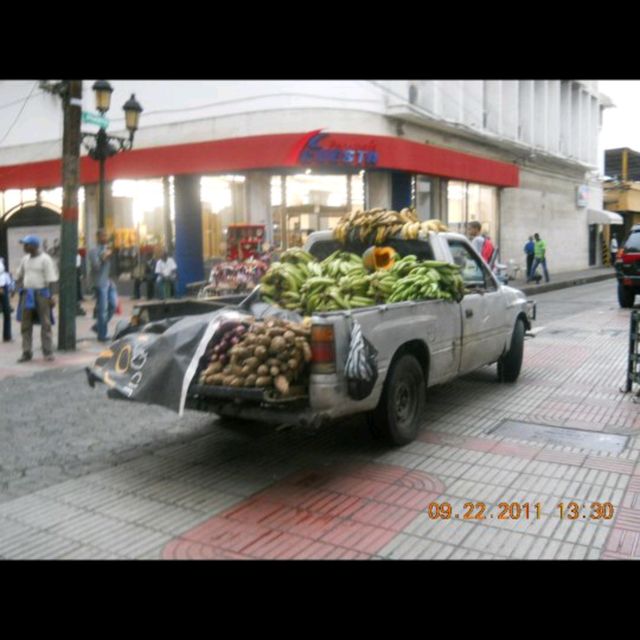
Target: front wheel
(510, 363)
(397, 417)
(626, 296)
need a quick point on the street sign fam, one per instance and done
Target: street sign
(94, 118)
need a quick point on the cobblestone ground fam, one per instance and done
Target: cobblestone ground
(86, 477)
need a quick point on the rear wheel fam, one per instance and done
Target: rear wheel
(397, 417)
(510, 363)
(626, 296)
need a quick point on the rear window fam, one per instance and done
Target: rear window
(633, 242)
(420, 248)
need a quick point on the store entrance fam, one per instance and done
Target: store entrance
(593, 244)
(311, 201)
(303, 220)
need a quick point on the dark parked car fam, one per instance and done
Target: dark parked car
(628, 268)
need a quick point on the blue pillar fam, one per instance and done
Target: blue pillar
(188, 239)
(400, 190)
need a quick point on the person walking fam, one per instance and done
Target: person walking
(614, 248)
(35, 274)
(100, 258)
(539, 258)
(166, 269)
(529, 250)
(5, 294)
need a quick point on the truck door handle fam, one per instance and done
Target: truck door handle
(468, 313)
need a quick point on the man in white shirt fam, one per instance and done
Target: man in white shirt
(35, 273)
(474, 233)
(166, 269)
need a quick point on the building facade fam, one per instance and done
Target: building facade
(520, 156)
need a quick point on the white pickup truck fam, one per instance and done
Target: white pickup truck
(419, 345)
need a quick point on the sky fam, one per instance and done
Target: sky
(620, 124)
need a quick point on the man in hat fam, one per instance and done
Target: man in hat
(35, 274)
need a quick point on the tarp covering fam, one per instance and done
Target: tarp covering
(158, 364)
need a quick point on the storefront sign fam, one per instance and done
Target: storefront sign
(582, 195)
(332, 153)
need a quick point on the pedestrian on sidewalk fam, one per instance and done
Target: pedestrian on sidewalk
(144, 271)
(614, 248)
(166, 269)
(5, 294)
(529, 250)
(474, 229)
(539, 258)
(105, 290)
(37, 271)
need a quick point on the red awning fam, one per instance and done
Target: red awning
(284, 151)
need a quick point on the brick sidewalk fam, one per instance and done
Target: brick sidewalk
(249, 491)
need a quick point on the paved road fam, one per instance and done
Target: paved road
(84, 476)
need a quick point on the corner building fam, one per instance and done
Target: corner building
(520, 156)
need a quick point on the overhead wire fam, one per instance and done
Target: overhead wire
(15, 120)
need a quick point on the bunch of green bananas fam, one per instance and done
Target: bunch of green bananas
(297, 256)
(342, 263)
(381, 284)
(300, 283)
(343, 285)
(427, 280)
(282, 283)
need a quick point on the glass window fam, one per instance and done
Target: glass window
(457, 206)
(473, 271)
(633, 242)
(424, 197)
(467, 201)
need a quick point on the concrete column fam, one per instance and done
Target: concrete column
(565, 118)
(258, 199)
(526, 112)
(377, 190)
(540, 113)
(509, 109)
(553, 119)
(473, 102)
(576, 121)
(595, 130)
(492, 105)
(188, 239)
(452, 99)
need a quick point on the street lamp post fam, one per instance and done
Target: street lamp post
(102, 145)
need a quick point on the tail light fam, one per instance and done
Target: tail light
(323, 349)
(629, 258)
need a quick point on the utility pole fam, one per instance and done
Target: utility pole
(71, 138)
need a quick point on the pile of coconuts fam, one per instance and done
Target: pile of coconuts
(272, 354)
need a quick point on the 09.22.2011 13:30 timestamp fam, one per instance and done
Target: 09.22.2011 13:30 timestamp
(521, 510)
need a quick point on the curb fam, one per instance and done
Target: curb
(564, 284)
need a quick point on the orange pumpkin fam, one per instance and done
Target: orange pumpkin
(375, 258)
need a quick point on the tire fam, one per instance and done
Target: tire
(510, 363)
(626, 296)
(396, 419)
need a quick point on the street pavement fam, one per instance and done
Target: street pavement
(82, 476)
